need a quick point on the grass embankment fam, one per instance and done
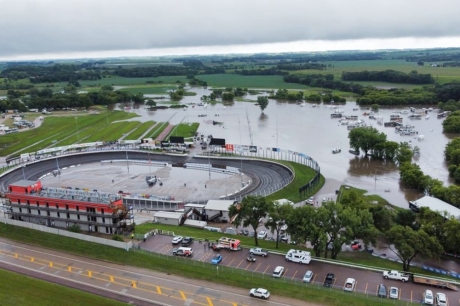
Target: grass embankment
(303, 175)
(64, 129)
(140, 130)
(189, 268)
(157, 130)
(185, 130)
(20, 290)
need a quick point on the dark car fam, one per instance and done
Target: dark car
(382, 291)
(329, 280)
(187, 241)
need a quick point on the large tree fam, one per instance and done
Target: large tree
(305, 224)
(278, 214)
(263, 102)
(366, 139)
(251, 210)
(407, 243)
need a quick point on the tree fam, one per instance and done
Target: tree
(263, 102)
(452, 236)
(278, 214)
(305, 223)
(251, 210)
(405, 217)
(407, 243)
(375, 107)
(366, 139)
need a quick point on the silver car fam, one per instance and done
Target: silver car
(308, 277)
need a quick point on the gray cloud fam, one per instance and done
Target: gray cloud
(60, 26)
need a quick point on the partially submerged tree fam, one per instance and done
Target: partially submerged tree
(251, 210)
(263, 102)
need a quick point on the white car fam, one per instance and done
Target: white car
(283, 228)
(177, 240)
(308, 277)
(262, 235)
(260, 293)
(278, 272)
(394, 293)
(441, 299)
(349, 285)
(428, 297)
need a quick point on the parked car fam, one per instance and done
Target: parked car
(260, 293)
(258, 251)
(394, 293)
(441, 299)
(382, 291)
(355, 245)
(428, 297)
(349, 285)
(308, 277)
(177, 239)
(278, 272)
(187, 241)
(182, 251)
(310, 201)
(329, 280)
(216, 259)
(251, 258)
(284, 228)
(251, 234)
(262, 235)
(245, 232)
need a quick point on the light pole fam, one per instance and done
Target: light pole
(23, 173)
(78, 133)
(241, 152)
(127, 164)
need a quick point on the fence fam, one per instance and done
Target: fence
(255, 279)
(51, 230)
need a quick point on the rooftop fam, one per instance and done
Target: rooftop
(222, 205)
(168, 214)
(438, 205)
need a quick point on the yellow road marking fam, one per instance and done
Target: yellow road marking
(134, 284)
(377, 290)
(314, 277)
(294, 274)
(285, 272)
(257, 267)
(51, 264)
(31, 259)
(400, 293)
(356, 285)
(411, 296)
(365, 290)
(209, 301)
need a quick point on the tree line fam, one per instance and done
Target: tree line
(391, 76)
(165, 70)
(301, 66)
(323, 80)
(269, 71)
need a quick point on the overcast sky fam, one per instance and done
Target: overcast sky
(98, 28)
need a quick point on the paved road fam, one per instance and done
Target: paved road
(367, 281)
(140, 286)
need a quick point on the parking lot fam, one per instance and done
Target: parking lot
(367, 282)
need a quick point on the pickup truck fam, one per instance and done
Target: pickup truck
(258, 251)
(396, 275)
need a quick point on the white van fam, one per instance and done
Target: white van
(302, 257)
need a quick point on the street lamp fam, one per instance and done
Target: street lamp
(78, 133)
(23, 173)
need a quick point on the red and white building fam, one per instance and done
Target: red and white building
(91, 210)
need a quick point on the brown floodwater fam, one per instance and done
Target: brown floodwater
(310, 130)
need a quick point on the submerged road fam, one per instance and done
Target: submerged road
(124, 283)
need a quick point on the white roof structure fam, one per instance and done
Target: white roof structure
(195, 223)
(222, 205)
(194, 205)
(168, 214)
(438, 205)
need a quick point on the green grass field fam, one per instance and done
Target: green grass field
(140, 130)
(184, 130)
(20, 290)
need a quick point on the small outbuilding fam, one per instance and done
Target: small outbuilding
(217, 210)
(168, 217)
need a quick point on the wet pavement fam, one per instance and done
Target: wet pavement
(367, 281)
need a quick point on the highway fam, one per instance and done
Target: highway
(129, 284)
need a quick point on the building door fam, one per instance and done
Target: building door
(95, 228)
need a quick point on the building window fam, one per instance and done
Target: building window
(78, 217)
(59, 214)
(48, 213)
(39, 212)
(68, 216)
(28, 209)
(106, 230)
(20, 209)
(103, 220)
